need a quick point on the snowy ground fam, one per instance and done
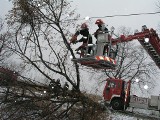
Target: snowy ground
(115, 115)
(118, 116)
(132, 116)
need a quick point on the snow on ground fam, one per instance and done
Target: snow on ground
(121, 116)
(117, 116)
(138, 114)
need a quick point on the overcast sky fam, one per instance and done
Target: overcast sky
(5, 5)
(95, 8)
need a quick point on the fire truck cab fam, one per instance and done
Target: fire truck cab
(116, 93)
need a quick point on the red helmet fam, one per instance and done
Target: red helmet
(84, 26)
(99, 22)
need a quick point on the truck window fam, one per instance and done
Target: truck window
(119, 85)
(125, 86)
(111, 84)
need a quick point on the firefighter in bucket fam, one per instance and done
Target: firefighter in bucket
(86, 39)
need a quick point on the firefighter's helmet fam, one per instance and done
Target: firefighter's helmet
(99, 22)
(84, 26)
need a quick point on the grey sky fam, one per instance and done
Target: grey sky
(95, 8)
(5, 5)
(111, 7)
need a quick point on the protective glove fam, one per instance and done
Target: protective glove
(73, 39)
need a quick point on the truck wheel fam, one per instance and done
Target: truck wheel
(117, 104)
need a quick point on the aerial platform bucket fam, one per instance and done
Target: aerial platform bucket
(97, 62)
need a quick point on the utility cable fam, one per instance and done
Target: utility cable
(134, 14)
(110, 16)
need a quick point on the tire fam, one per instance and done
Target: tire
(117, 104)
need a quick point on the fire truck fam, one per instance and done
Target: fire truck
(117, 94)
(117, 91)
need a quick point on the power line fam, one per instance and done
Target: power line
(123, 15)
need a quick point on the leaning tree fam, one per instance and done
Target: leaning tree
(40, 33)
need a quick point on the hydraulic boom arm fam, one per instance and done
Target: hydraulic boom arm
(152, 45)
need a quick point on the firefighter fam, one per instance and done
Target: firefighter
(51, 84)
(65, 89)
(66, 86)
(55, 87)
(58, 88)
(58, 83)
(107, 51)
(101, 28)
(86, 38)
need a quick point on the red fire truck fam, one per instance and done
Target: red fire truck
(117, 91)
(117, 94)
